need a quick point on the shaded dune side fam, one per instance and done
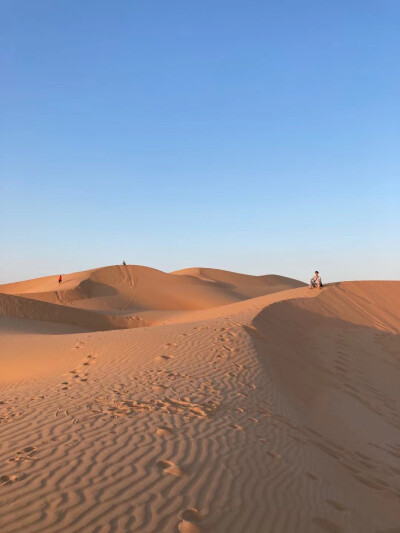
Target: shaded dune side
(244, 285)
(334, 362)
(359, 312)
(370, 303)
(86, 290)
(96, 287)
(26, 308)
(140, 288)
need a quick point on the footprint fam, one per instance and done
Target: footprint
(337, 505)
(236, 426)
(274, 455)
(23, 455)
(188, 527)
(8, 479)
(165, 431)
(252, 330)
(159, 387)
(190, 520)
(170, 468)
(91, 360)
(190, 515)
(165, 357)
(265, 412)
(29, 449)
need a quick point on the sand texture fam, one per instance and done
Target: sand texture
(132, 400)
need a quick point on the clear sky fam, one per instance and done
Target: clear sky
(255, 136)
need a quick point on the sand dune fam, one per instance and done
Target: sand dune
(142, 295)
(141, 288)
(252, 404)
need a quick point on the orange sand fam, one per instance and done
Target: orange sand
(198, 401)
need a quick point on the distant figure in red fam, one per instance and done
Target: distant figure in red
(60, 279)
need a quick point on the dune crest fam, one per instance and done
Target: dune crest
(130, 296)
(251, 404)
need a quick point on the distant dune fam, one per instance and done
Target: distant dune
(199, 401)
(137, 292)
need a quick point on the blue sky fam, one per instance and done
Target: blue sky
(255, 136)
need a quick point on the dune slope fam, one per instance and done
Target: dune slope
(274, 413)
(143, 288)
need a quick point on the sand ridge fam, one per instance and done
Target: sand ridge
(277, 412)
(130, 287)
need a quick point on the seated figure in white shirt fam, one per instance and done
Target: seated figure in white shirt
(316, 281)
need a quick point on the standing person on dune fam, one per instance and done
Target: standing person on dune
(316, 281)
(60, 279)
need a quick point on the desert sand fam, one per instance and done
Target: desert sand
(132, 400)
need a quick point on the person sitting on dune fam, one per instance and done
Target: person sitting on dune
(316, 281)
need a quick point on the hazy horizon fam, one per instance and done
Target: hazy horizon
(252, 137)
(304, 277)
